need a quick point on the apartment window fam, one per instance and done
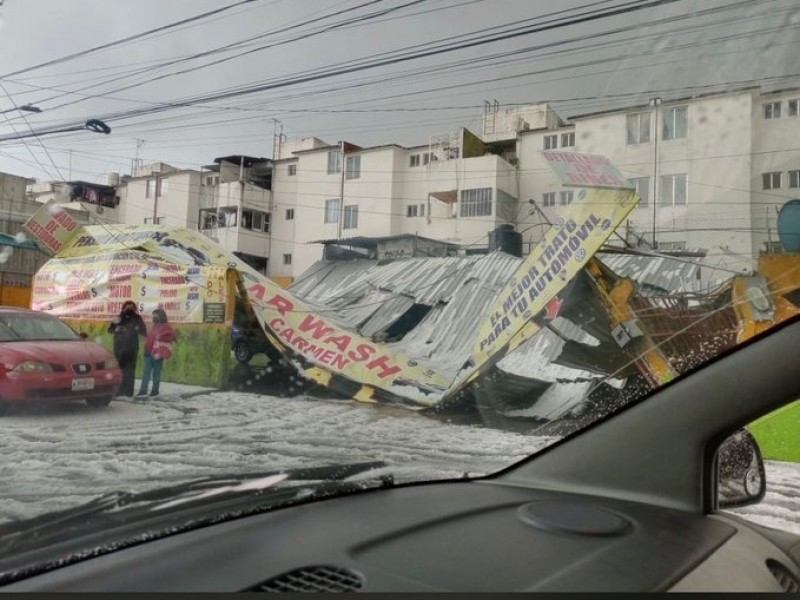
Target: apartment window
(414, 160)
(163, 186)
(149, 190)
(289, 214)
(421, 210)
(411, 210)
(353, 167)
(350, 216)
(639, 128)
(675, 123)
(291, 170)
(210, 180)
(794, 179)
(208, 219)
(642, 185)
(332, 210)
(334, 162)
(549, 199)
(773, 110)
(674, 190)
(567, 139)
(429, 157)
(226, 217)
(566, 197)
(672, 246)
(476, 202)
(794, 108)
(255, 220)
(287, 259)
(771, 181)
(550, 142)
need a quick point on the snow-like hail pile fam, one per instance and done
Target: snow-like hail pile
(61, 456)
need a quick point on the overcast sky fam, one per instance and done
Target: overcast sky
(400, 103)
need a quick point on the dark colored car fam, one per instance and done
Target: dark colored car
(246, 342)
(43, 360)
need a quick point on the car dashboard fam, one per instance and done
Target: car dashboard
(457, 537)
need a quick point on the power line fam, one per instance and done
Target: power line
(399, 57)
(125, 40)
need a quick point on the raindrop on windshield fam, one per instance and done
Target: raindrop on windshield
(5, 254)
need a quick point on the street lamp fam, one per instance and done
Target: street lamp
(25, 108)
(95, 125)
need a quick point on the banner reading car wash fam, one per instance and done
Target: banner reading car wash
(317, 346)
(52, 226)
(563, 251)
(323, 343)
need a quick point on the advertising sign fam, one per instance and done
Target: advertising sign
(52, 226)
(565, 249)
(95, 287)
(585, 170)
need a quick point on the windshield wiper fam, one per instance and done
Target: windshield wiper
(119, 517)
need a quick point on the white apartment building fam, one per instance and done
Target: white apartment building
(453, 190)
(711, 170)
(229, 201)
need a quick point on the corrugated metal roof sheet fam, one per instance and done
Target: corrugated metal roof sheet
(368, 296)
(661, 274)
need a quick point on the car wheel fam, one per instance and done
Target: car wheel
(99, 402)
(242, 352)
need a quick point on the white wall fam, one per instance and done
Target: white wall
(775, 149)
(283, 238)
(177, 206)
(715, 156)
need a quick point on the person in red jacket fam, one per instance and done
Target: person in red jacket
(157, 348)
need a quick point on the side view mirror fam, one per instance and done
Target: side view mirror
(83, 335)
(741, 480)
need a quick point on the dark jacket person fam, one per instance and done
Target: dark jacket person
(127, 328)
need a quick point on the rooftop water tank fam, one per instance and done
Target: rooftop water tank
(789, 226)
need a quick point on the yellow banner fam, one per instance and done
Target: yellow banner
(563, 251)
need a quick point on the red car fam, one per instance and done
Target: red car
(42, 359)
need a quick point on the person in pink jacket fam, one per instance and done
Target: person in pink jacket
(157, 348)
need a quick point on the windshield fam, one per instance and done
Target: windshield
(438, 234)
(34, 328)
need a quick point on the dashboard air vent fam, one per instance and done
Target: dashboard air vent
(787, 581)
(313, 579)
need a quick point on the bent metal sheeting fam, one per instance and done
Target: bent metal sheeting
(326, 352)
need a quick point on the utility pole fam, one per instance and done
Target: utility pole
(157, 187)
(136, 165)
(278, 138)
(341, 192)
(70, 165)
(655, 103)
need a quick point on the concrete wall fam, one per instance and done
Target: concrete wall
(774, 149)
(714, 155)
